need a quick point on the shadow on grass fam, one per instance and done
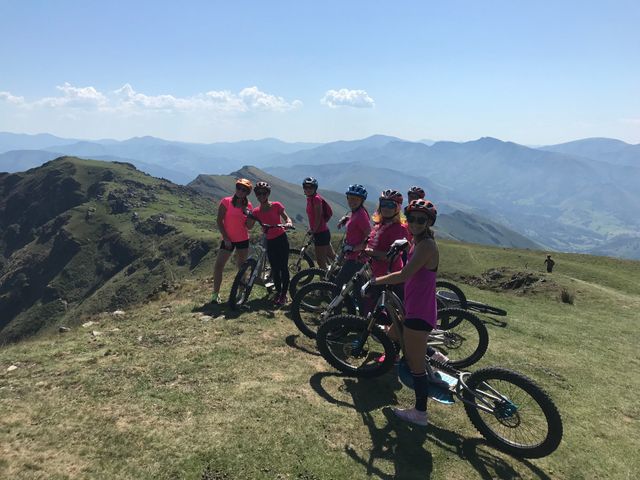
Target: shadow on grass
(263, 306)
(298, 342)
(405, 444)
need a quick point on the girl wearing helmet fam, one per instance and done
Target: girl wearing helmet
(358, 227)
(419, 278)
(232, 223)
(317, 223)
(388, 228)
(415, 193)
(277, 241)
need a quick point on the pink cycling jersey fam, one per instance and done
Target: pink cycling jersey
(272, 217)
(312, 201)
(235, 221)
(420, 295)
(381, 238)
(358, 228)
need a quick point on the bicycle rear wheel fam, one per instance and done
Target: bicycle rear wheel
(298, 261)
(241, 288)
(461, 336)
(346, 343)
(521, 420)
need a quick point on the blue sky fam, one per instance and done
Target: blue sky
(533, 72)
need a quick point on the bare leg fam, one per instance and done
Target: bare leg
(241, 256)
(321, 256)
(221, 261)
(415, 345)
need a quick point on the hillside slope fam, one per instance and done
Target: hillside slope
(176, 388)
(80, 236)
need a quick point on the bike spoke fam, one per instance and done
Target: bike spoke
(516, 416)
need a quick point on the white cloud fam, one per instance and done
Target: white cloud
(255, 99)
(7, 97)
(127, 100)
(347, 98)
(74, 97)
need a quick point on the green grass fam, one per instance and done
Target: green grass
(166, 395)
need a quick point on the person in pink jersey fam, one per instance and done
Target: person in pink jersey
(232, 223)
(358, 227)
(317, 223)
(273, 213)
(419, 278)
(388, 228)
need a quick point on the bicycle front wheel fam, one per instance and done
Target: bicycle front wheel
(461, 336)
(449, 295)
(242, 285)
(305, 277)
(347, 344)
(311, 301)
(512, 412)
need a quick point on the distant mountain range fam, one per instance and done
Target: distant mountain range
(579, 196)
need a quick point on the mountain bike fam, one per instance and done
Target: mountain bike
(449, 295)
(256, 268)
(460, 335)
(299, 259)
(315, 302)
(506, 407)
(307, 275)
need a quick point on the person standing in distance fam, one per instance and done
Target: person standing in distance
(232, 223)
(549, 263)
(317, 223)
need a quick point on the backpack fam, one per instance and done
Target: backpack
(327, 212)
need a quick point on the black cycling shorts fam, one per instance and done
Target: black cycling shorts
(417, 324)
(239, 245)
(322, 239)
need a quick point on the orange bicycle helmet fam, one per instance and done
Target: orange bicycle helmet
(245, 183)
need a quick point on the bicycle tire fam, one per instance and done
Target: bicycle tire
(457, 300)
(305, 262)
(338, 340)
(465, 340)
(510, 412)
(484, 308)
(304, 277)
(311, 300)
(240, 290)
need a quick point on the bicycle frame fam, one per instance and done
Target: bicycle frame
(390, 302)
(364, 273)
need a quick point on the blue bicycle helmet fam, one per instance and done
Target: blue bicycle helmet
(357, 190)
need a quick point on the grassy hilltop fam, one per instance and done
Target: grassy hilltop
(177, 388)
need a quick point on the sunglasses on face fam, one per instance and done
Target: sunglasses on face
(260, 193)
(412, 196)
(242, 188)
(418, 220)
(388, 204)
